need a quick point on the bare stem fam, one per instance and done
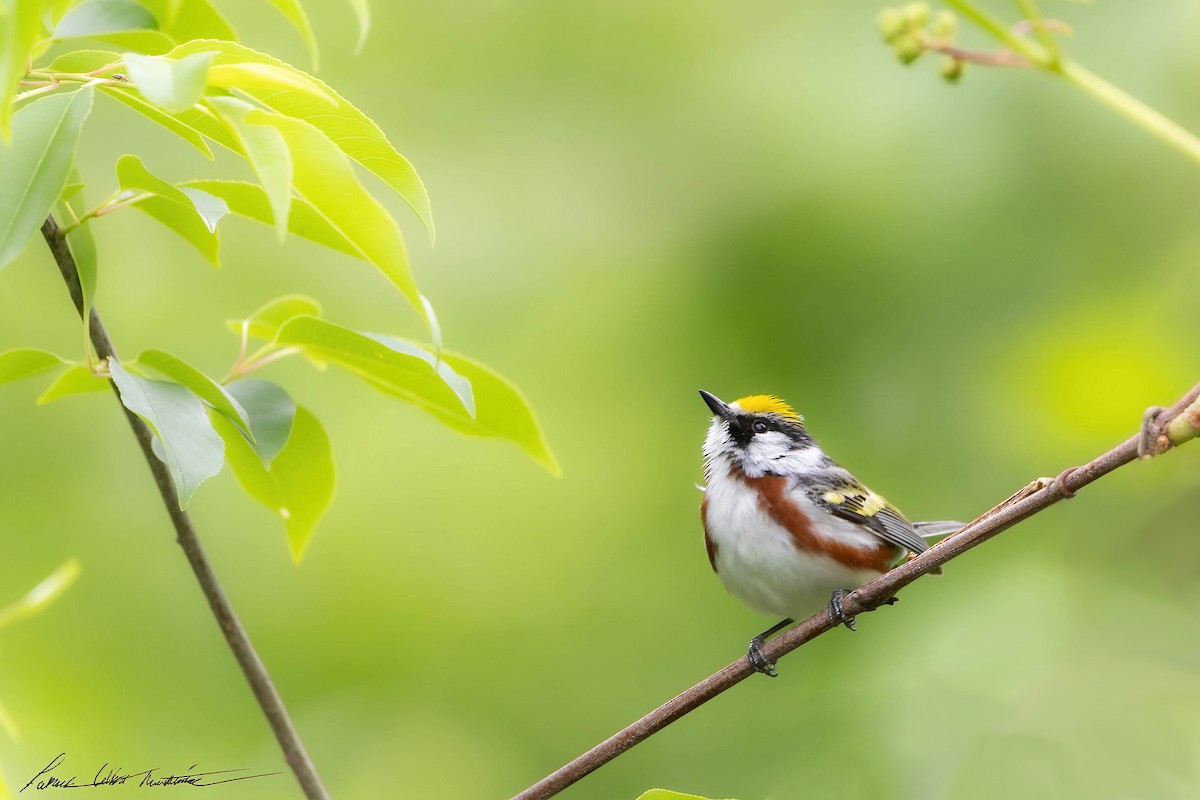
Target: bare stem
(1049, 57)
(185, 534)
(1171, 427)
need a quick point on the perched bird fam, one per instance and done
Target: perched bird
(788, 530)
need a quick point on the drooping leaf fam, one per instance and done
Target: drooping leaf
(172, 85)
(75, 379)
(95, 17)
(210, 207)
(200, 384)
(457, 383)
(193, 451)
(500, 409)
(41, 595)
(20, 24)
(26, 362)
(35, 166)
(96, 61)
(190, 19)
(323, 176)
(408, 373)
(350, 129)
(250, 201)
(255, 75)
(300, 483)
(271, 412)
(266, 321)
(129, 98)
(296, 15)
(268, 154)
(169, 205)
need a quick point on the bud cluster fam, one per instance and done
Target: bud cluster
(914, 28)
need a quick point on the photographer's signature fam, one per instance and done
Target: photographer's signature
(52, 777)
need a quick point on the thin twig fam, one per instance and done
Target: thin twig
(235, 635)
(1176, 424)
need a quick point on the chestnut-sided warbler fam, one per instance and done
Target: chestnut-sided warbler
(787, 529)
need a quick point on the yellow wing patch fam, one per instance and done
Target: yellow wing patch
(766, 404)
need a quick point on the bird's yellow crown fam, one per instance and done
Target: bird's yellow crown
(767, 404)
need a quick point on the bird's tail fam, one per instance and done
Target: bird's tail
(937, 530)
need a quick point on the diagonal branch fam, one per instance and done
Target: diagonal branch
(1161, 430)
(235, 635)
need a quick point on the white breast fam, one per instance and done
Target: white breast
(757, 560)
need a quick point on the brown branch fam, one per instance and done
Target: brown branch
(1161, 430)
(235, 635)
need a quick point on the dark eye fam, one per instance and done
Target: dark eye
(759, 426)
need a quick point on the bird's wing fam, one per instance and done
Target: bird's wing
(843, 496)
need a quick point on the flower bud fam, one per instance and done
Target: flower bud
(944, 24)
(951, 69)
(917, 13)
(891, 24)
(908, 48)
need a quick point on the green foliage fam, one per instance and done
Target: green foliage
(198, 383)
(171, 206)
(75, 379)
(173, 86)
(16, 365)
(271, 412)
(35, 166)
(183, 71)
(19, 26)
(298, 484)
(193, 451)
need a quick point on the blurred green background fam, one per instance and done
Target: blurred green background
(962, 288)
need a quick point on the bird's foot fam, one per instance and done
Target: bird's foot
(837, 610)
(758, 659)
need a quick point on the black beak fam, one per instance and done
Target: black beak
(719, 408)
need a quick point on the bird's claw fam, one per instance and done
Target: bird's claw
(837, 610)
(1148, 444)
(758, 659)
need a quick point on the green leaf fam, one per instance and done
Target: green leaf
(169, 205)
(129, 98)
(250, 201)
(266, 321)
(254, 75)
(172, 85)
(363, 12)
(41, 595)
(200, 384)
(350, 129)
(194, 452)
(190, 19)
(210, 208)
(299, 485)
(500, 409)
(35, 167)
(296, 15)
(271, 411)
(323, 176)
(75, 379)
(20, 25)
(96, 17)
(16, 365)
(267, 151)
